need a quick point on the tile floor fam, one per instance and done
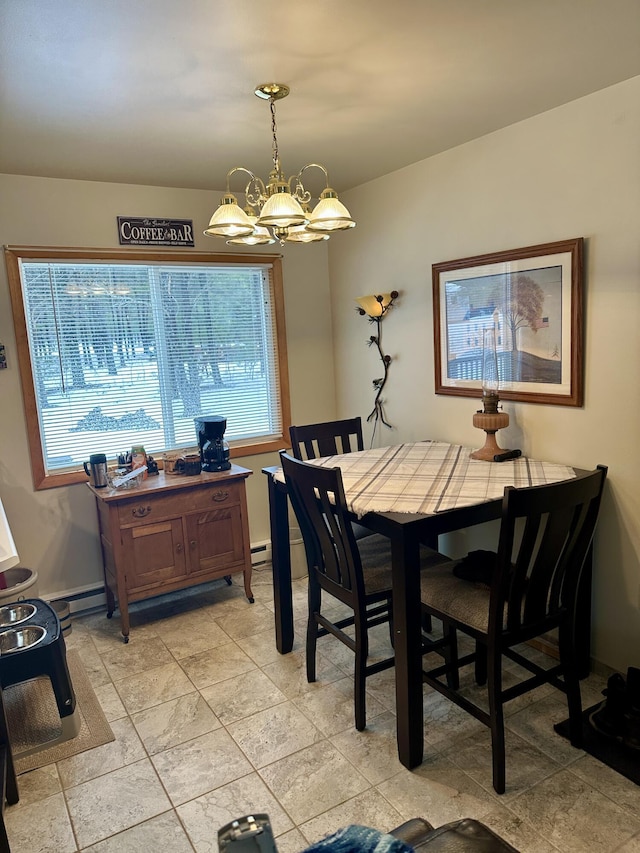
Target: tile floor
(211, 723)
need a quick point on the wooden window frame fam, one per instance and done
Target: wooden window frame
(13, 256)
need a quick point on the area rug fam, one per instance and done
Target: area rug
(610, 752)
(41, 725)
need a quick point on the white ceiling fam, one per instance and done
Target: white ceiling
(161, 91)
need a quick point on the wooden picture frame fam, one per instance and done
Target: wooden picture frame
(533, 297)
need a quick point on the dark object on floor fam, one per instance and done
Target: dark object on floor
(618, 717)
(459, 836)
(477, 566)
(8, 781)
(609, 751)
(46, 656)
(534, 589)
(608, 718)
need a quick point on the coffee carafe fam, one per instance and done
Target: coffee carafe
(96, 469)
(214, 451)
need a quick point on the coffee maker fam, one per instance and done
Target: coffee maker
(214, 451)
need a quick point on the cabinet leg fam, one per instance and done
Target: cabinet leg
(247, 585)
(124, 620)
(111, 600)
(228, 579)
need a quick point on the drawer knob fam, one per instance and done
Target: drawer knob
(141, 511)
(179, 547)
(220, 496)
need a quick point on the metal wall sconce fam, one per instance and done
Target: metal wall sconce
(375, 308)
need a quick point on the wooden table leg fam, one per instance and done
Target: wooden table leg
(281, 562)
(405, 552)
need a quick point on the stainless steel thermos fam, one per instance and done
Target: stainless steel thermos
(96, 469)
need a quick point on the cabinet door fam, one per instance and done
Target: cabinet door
(216, 541)
(154, 554)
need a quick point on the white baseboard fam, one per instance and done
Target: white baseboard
(261, 552)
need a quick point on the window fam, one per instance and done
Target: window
(118, 348)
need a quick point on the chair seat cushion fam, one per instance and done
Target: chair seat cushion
(375, 554)
(462, 600)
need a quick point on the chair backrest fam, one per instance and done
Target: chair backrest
(327, 439)
(317, 497)
(545, 535)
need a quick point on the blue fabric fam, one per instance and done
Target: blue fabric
(359, 839)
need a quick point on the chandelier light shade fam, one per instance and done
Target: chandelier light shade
(260, 236)
(280, 209)
(229, 220)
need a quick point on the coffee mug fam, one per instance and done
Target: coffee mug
(96, 469)
(189, 464)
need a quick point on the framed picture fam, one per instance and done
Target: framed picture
(532, 298)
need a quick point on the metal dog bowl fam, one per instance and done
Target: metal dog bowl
(13, 614)
(16, 639)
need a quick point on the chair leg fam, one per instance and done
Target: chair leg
(568, 660)
(493, 659)
(427, 624)
(360, 673)
(450, 655)
(392, 636)
(315, 601)
(312, 639)
(481, 664)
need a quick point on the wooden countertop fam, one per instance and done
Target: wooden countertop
(170, 482)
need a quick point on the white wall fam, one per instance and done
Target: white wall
(571, 172)
(56, 530)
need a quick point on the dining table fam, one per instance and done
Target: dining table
(412, 494)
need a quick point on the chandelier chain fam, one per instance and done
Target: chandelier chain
(274, 146)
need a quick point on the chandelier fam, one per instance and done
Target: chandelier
(279, 210)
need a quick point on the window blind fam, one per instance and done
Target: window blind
(131, 352)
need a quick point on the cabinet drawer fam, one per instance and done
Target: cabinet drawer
(145, 509)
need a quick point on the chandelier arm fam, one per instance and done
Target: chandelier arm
(297, 187)
(255, 190)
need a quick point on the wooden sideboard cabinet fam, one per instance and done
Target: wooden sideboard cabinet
(172, 532)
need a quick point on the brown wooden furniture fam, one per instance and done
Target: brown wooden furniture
(406, 531)
(311, 441)
(545, 536)
(173, 532)
(326, 439)
(357, 573)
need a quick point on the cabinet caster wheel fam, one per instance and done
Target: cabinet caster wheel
(252, 601)
(109, 615)
(228, 579)
(125, 640)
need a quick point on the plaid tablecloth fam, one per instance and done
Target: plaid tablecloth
(431, 476)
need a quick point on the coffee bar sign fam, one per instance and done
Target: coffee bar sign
(143, 231)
